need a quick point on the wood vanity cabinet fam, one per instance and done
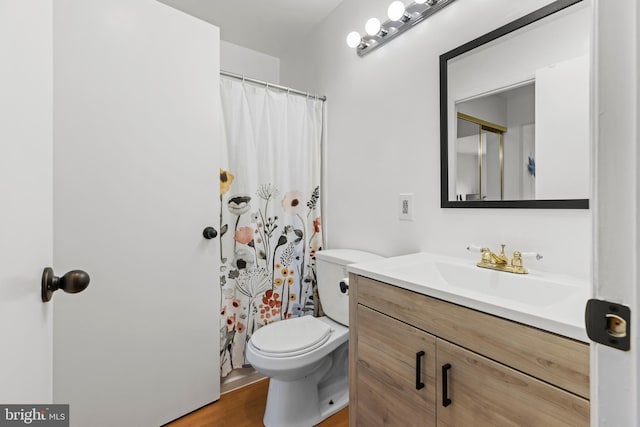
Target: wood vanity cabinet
(409, 353)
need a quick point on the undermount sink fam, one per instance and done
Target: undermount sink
(552, 302)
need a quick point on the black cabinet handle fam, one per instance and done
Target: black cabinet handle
(209, 233)
(445, 385)
(419, 356)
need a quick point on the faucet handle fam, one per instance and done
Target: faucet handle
(502, 246)
(485, 252)
(516, 261)
(537, 256)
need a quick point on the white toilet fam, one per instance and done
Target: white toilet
(307, 357)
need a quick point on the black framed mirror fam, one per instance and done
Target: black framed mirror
(515, 114)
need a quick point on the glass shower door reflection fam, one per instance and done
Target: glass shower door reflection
(479, 166)
(492, 166)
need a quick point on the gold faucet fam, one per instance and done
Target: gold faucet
(501, 258)
(501, 262)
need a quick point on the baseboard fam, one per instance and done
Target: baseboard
(239, 378)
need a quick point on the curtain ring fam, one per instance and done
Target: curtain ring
(243, 78)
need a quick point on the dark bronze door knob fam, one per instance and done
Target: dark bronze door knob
(73, 282)
(209, 233)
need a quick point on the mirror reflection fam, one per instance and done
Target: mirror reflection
(516, 104)
(495, 146)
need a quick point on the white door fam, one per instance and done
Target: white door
(615, 374)
(25, 199)
(136, 180)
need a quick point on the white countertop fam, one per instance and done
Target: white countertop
(549, 302)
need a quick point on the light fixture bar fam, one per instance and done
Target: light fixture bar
(418, 13)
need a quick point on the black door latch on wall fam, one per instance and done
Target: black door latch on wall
(608, 323)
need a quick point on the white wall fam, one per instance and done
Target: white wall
(519, 145)
(248, 62)
(515, 58)
(489, 108)
(26, 220)
(384, 139)
(562, 131)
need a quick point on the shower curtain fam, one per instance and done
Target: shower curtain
(270, 222)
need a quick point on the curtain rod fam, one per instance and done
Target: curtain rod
(267, 84)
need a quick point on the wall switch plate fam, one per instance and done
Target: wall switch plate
(405, 205)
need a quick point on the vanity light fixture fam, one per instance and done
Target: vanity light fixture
(353, 39)
(397, 12)
(401, 18)
(373, 26)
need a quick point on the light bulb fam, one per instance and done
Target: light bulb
(396, 10)
(353, 39)
(372, 27)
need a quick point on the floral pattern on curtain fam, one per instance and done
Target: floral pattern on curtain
(270, 221)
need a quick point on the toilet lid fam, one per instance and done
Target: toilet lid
(291, 337)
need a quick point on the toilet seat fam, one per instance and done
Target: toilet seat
(291, 337)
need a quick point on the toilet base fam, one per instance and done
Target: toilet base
(334, 396)
(308, 401)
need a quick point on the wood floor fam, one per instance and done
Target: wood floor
(243, 408)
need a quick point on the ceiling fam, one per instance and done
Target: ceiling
(265, 26)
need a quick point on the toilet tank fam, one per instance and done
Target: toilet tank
(331, 269)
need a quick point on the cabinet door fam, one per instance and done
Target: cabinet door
(390, 370)
(487, 393)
